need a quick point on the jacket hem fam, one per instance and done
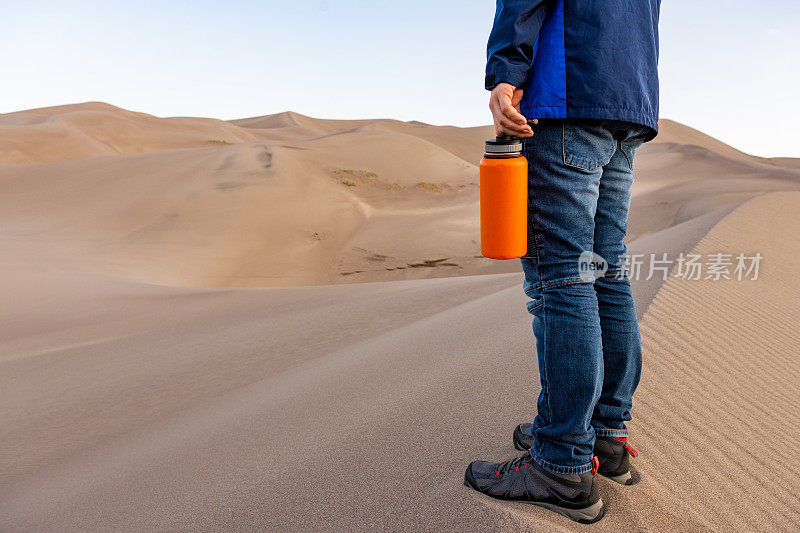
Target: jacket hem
(604, 113)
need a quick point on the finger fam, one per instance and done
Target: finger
(514, 115)
(505, 130)
(513, 128)
(528, 133)
(507, 122)
(516, 131)
(496, 103)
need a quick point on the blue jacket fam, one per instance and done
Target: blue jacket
(578, 58)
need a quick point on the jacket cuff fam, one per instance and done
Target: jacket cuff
(515, 77)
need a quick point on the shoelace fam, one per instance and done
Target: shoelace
(628, 447)
(513, 464)
(525, 459)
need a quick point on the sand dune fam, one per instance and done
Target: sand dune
(321, 202)
(288, 199)
(462, 142)
(96, 129)
(721, 380)
(158, 408)
(141, 390)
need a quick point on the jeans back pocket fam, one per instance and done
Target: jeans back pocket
(587, 145)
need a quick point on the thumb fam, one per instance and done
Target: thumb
(516, 98)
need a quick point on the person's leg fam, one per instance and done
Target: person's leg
(622, 352)
(558, 470)
(565, 169)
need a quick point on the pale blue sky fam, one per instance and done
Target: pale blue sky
(728, 67)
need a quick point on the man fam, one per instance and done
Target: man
(584, 73)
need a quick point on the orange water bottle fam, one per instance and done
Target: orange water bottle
(504, 199)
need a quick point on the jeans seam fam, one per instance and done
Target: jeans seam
(611, 432)
(562, 281)
(533, 289)
(538, 305)
(546, 389)
(559, 469)
(615, 273)
(629, 159)
(555, 283)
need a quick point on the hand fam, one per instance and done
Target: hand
(504, 104)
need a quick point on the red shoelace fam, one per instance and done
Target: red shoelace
(628, 447)
(514, 464)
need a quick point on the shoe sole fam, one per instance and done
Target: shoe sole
(585, 515)
(622, 479)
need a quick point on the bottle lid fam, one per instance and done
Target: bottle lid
(504, 145)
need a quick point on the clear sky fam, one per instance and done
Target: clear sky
(728, 67)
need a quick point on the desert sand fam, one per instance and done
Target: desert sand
(283, 323)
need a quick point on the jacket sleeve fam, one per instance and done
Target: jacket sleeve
(510, 49)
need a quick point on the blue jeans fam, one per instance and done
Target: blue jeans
(587, 337)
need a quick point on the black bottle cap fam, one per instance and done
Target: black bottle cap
(504, 145)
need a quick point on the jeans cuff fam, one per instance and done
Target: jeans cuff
(556, 469)
(611, 432)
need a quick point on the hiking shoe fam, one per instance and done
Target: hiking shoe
(521, 479)
(613, 453)
(523, 437)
